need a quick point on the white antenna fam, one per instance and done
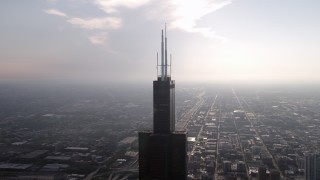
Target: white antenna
(170, 64)
(157, 65)
(162, 57)
(165, 57)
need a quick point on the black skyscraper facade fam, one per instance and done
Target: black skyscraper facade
(312, 167)
(163, 151)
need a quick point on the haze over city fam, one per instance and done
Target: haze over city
(88, 92)
(117, 41)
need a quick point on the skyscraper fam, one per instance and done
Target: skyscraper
(163, 151)
(312, 167)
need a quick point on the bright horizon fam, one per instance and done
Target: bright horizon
(216, 41)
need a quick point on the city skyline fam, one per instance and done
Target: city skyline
(219, 41)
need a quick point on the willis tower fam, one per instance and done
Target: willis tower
(163, 151)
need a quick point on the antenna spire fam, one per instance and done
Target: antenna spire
(170, 64)
(166, 61)
(163, 74)
(162, 57)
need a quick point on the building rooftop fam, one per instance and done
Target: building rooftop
(15, 166)
(62, 158)
(77, 148)
(34, 154)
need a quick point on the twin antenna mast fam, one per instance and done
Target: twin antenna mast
(164, 58)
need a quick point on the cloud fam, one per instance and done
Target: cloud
(187, 12)
(97, 23)
(179, 14)
(112, 6)
(98, 39)
(52, 1)
(55, 12)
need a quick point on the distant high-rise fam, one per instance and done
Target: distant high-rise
(262, 173)
(312, 167)
(274, 175)
(163, 151)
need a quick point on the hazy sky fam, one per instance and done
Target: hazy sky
(117, 40)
